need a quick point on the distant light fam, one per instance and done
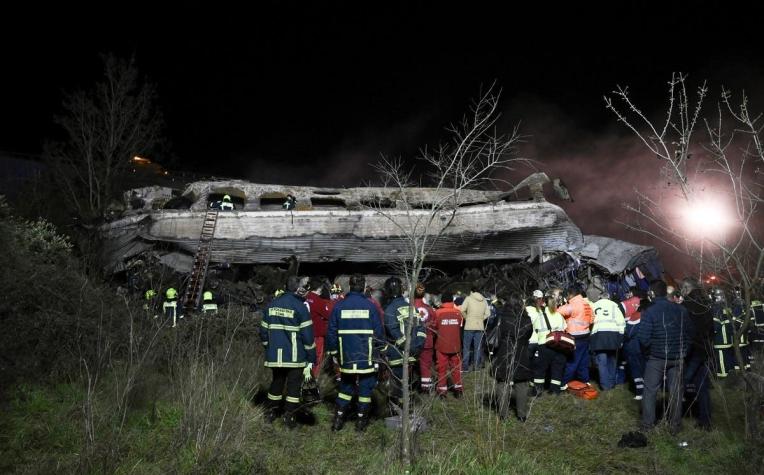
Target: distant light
(707, 218)
(166, 172)
(138, 159)
(713, 277)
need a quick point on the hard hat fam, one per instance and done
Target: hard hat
(227, 198)
(537, 294)
(171, 293)
(150, 294)
(278, 293)
(336, 288)
(207, 296)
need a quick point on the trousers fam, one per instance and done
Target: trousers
(293, 379)
(425, 368)
(449, 364)
(550, 361)
(365, 384)
(505, 390)
(578, 364)
(655, 370)
(472, 352)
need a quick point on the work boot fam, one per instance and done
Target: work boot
(271, 415)
(362, 421)
(339, 421)
(289, 421)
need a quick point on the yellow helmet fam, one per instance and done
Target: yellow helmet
(278, 293)
(227, 198)
(150, 294)
(207, 296)
(336, 288)
(171, 293)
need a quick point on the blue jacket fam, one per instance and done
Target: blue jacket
(355, 332)
(666, 330)
(396, 314)
(287, 333)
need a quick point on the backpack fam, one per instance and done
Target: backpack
(582, 390)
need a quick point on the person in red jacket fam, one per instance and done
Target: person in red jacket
(320, 309)
(448, 325)
(427, 317)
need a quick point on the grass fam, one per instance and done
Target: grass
(42, 433)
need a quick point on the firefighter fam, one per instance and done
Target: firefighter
(757, 314)
(208, 304)
(397, 327)
(226, 204)
(724, 359)
(535, 311)
(170, 307)
(355, 336)
(149, 300)
(739, 314)
(290, 351)
(427, 319)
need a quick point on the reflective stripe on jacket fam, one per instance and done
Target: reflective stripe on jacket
(578, 314)
(609, 324)
(722, 327)
(287, 333)
(355, 334)
(396, 326)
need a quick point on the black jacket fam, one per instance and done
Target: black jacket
(702, 316)
(511, 361)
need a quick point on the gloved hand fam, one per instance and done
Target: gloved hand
(306, 373)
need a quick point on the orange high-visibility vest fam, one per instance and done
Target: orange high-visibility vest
(579, 315)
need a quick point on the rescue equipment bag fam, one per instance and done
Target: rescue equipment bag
(582, 390)
(559, 340)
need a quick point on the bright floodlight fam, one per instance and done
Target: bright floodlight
(706, 218)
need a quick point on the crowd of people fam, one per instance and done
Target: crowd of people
(668, 339)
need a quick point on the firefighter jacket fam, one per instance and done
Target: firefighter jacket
(722, 327)
(355, 334)
(427, 319)
(287, 333)
(448, 328)
(320, 308)
(739, 316)
(757, 314)
(579, 316)
(476, 311)
(396, 329)
(172, 309)
(607, 331)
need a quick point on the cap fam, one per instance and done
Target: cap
(537, 294)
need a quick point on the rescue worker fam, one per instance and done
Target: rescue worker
(290, 350)
(447, 326)
(631, 349)
(757, 314)
(320, 309)
(149, 300)
(427, 319)
(606, 338)
(226, 204)
(171, 308)
(549, 360)
(739, 315)
(535, 313)
(398, 320)
(723, 352)
(476, 311)
(355, 336)
(209, 306)
(578, 315)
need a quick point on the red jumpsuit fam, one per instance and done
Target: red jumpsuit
(448, 324)
(320, 309)
(427, 317)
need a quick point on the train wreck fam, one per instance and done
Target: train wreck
(363, 226)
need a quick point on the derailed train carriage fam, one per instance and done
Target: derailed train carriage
(496, 239)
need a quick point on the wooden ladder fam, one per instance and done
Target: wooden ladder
(195, 285)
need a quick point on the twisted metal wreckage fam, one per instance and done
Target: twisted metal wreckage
(497, 238)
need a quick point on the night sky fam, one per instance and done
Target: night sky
(311, 94)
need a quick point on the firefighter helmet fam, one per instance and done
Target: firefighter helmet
(171, 293)
(227, 198)
(336, 288)
(207, 296)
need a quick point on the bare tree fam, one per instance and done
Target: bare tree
(470, 160)
(105, 127)
(708, 206)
